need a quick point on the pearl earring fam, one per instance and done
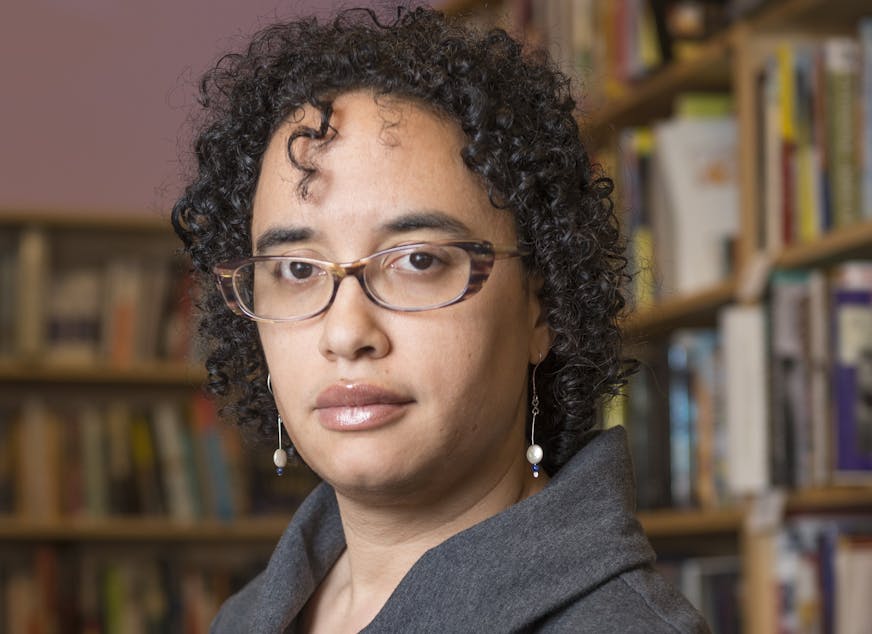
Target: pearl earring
(280, 456)
(534, 451)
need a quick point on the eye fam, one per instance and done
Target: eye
(422, 259)
(295, 270)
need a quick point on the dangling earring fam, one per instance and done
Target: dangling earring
(280, 456)
(534, 451)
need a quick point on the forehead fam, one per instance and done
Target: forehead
(382, 157)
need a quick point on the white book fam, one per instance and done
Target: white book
(853, 567)
(168, 436)
(695, 163)
(744, 352)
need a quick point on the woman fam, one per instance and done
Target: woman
(446, 395)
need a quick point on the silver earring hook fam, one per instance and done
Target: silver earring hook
(534, 451)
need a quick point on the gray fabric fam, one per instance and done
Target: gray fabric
(571, 558)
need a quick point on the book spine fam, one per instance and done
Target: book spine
(852, 383)
(841, 55)
(746, 402)
(33, 262)
(866, 114)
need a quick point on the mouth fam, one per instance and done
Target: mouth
(359, 406)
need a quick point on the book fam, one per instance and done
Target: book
(168, 432)
(94, 461)
(852, 371)
(841, 59)
(865, 38)
(790, 426)
(73, 316)
(743, 332)
(32, 267)
(712, 584)
(215, 471)
(682, 423)
(853, 571)
(121, 481)
(39, 491)
(647, 423)
(697, 220)
(8, 444)
(146, 466)
(121, 311)
(636, 149)
(8, 289)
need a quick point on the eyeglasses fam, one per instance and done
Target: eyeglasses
(408, 278)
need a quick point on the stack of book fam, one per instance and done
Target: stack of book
(46, 590)
(814, 103)
(168, 459)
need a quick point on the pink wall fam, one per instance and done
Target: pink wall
(96, 93)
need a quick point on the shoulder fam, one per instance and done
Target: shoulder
(639, 601)
(306, 551)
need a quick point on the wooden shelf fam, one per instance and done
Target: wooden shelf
(658, 524)
(688, 310)
(808, 15)
(691, 522)
(670, 523)
(103, 222)
(459, 7)
(151, 530)
(148, 374)
(836, 498)
(653, 97)
(841, 244)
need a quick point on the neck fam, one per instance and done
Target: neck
(384, 542)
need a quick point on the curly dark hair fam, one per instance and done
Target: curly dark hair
(518, 115)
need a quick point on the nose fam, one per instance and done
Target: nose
(351, 326)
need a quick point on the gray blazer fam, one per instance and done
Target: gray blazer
(572, 558)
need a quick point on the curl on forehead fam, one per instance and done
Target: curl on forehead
(313, 128)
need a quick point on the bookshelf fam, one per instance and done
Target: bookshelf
(169, 374)
(56, 525)
(733, 59)
(263, 531)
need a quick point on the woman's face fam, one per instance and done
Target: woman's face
(385, 403)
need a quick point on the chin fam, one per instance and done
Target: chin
(375, 478)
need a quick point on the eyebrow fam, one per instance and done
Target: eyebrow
(281, 235)
(426, 219)
(405, 223)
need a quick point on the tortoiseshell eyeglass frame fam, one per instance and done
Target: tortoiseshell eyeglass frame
(482, 255)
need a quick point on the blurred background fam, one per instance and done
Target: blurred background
(738, 135)
(97, 95)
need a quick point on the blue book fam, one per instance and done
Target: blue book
(681, 423)
(852, 388)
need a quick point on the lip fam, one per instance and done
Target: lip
(359, 406)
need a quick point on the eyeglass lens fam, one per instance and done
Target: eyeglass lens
(414, 278)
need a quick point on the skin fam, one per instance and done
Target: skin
(453, 454)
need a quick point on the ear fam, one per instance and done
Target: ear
(541, 335)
